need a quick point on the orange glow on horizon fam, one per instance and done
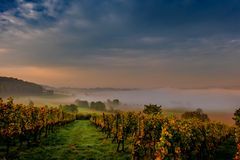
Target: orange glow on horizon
(90, 78)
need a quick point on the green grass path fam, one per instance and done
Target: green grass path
(79, 140)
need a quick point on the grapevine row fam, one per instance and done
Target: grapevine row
(163, 137)
(237, 133)
(27, 123)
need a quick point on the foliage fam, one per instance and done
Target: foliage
(99, 106)
(156, 136)
(116, 102)
(72, 108)
(81, 103)
(198, 114)
(112, 104)
(237, 117)
(28, 123)
(237, 132)
(152, 109)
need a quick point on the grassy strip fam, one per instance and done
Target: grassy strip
(78, 140)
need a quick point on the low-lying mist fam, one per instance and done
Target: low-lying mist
(216, 100)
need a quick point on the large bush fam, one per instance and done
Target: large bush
(99, 106)
(70, 108)
(196, 114)
(83, 104)
(152, 109)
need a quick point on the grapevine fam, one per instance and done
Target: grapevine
(160, 137)
(27, 123)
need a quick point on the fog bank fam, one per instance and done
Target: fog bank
(207, 99)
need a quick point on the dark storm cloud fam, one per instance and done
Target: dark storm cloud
(102, 23)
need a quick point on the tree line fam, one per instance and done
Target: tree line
(109, 105)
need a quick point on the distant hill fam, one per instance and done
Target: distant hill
(96, 89)
(12, 86)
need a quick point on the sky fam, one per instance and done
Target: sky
(121, 43)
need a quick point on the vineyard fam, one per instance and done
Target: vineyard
(27, 124)
(161, 137)
(147, 136)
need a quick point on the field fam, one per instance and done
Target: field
(32, 132)
(82, 140)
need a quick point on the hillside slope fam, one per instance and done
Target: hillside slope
(12, 86)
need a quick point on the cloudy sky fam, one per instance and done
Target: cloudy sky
(121, 43)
